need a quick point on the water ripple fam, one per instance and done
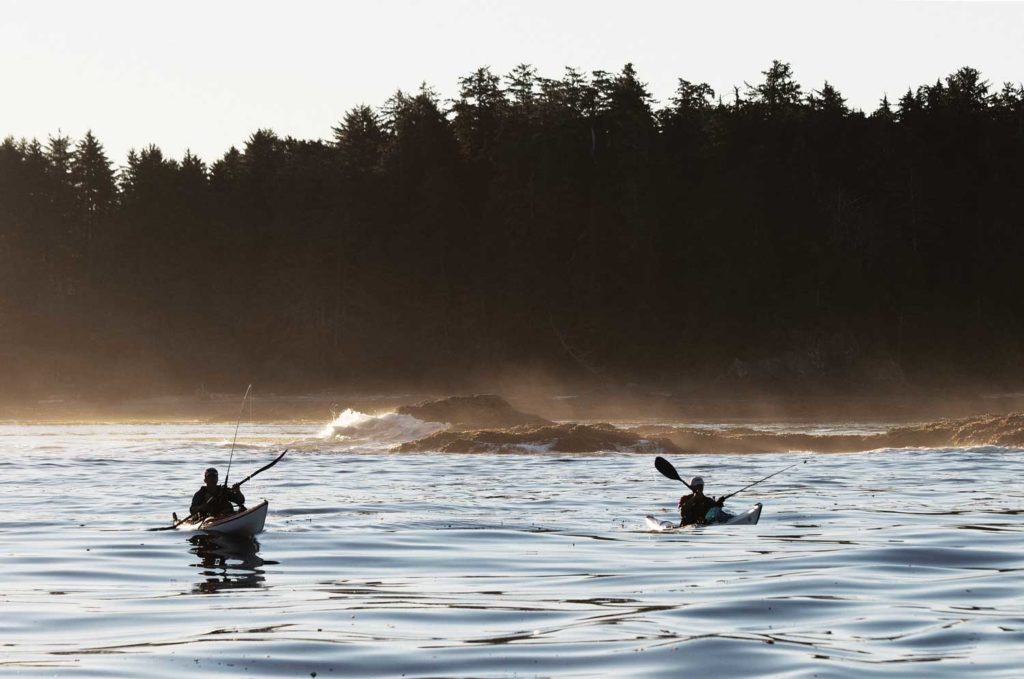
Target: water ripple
(875, 564)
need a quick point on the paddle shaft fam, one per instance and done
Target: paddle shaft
(187, 518)
(264, 467)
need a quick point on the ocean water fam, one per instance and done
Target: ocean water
(513, 564)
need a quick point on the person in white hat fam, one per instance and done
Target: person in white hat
(695, 506)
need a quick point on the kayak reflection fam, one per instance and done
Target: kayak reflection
(227, 562)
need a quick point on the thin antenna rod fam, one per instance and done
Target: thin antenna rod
(241, 411)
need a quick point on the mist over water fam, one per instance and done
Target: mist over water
(375, 563)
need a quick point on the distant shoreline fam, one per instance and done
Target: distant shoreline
(624, 405)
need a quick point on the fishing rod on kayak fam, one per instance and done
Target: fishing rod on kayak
(726, 497)
(200, 510)
(235, 437)
(666, 469)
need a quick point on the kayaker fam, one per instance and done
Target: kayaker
(693, 508)
(214, 500)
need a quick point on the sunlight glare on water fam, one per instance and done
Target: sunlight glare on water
(383, 564)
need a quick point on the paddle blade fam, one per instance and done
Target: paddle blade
(666, 468)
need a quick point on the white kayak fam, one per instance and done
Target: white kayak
(243, 524)
(747, 518)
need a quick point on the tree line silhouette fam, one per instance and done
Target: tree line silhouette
(773, 236)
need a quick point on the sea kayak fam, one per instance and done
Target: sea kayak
(747, 518)
(243, 524)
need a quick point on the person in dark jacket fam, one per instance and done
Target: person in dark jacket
(693, 508)
(214, 500)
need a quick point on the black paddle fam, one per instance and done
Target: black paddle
(265, 468)
(666, 469)
(199, 511)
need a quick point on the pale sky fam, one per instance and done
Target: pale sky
(206, 74)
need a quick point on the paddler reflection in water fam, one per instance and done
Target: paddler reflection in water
(694, 508)
(214, 500)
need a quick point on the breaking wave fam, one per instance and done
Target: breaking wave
(483, 424)
(360, 429)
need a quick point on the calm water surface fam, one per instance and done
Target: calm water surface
(887, 563)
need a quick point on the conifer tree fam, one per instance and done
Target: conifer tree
(779, 90)
(92, 177)
(360, 141)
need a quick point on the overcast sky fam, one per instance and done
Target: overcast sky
(205, 74)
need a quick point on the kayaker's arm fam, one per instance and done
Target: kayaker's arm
(199, 500)
(234, 493)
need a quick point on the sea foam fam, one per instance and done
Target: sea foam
(356, 428)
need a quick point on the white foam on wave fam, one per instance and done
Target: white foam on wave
(355, 428)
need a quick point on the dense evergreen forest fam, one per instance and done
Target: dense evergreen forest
(768, 236)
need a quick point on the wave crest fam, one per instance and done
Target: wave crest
(360, 429)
